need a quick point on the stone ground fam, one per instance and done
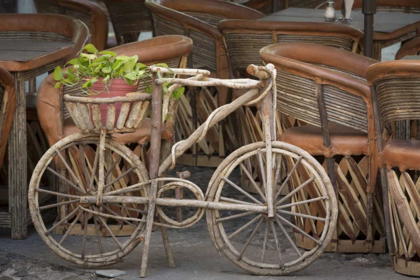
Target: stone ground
(194, 254)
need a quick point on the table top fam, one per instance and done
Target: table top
(385, 22)
(19, 53)
(411, 57)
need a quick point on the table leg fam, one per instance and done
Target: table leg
(18, 184)
(377, 50)
(274, 6)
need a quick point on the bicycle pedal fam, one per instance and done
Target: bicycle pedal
(184, 174)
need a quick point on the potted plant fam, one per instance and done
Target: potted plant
(104, 74)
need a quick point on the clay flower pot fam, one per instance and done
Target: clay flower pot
(118, 88)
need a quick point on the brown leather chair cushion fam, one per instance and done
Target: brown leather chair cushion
(140, 136)
(344, 140)
(404, 154)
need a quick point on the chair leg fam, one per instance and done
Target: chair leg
(333, 177)
(167, 245)
(149, 227)
(332, 173)
(369, 230)
(384, 183)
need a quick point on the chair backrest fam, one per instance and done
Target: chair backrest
(129, 18)
(88, 12)
(317, 84)
(396, 87)
(50, 27)
(412, 47)
(265, 6)
(245, 38)
(172, 50)
(7, 108)
(198, 20)
(406, 6)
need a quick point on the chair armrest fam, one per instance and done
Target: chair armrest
(412, 47)
(301, 66)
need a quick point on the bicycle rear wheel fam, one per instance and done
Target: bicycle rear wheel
(87, 234)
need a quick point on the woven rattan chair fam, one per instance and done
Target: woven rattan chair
(395, 87)
(129, 18)
(325, 87)
(412, 47)
(198, 20)
(55, 38)
(7, 109)
(245, 38)
(406, 6)
(88, 12)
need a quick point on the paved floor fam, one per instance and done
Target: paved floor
(194, 253)
(196, 258)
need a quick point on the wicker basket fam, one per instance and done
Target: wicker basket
(86, 112)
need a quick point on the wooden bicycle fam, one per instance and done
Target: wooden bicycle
(109, 186)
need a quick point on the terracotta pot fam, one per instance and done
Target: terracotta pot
(118, 88)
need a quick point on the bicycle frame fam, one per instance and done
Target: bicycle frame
(262, 90)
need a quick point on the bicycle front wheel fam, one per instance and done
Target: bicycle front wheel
(252, 240)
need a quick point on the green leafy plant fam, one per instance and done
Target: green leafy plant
(93, 66)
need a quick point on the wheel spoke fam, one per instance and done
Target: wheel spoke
(267, 226)
(260, 160)
(98, 236)
(276, 241)
(222, 198)
(310, 180)
(112, 167)
(287, 178)
(121, 176)
(67, 167)
(302, 202)
(112, 212)
(254, 184)
(241, 190)
(244, 227)
(110, 231)
(235, 216)
(85, 234)
(288, 237)
(83, 159)
(133, 188)
(277, 175)
(115, 217)
(65, 179)
(58, 204)
(70, 228)
(302, 215)
(69, 216)
(250, 238)
(298, 229)
(94, 167)
(57, 193)
(129, 208)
